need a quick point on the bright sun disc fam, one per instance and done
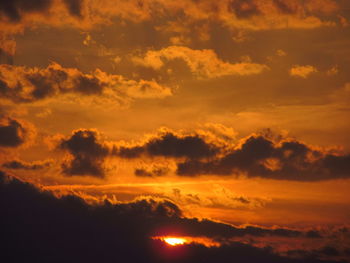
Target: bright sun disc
(174, 241)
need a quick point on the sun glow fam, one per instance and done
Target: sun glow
(174, 241)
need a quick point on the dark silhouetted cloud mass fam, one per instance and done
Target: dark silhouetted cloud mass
(86, 152)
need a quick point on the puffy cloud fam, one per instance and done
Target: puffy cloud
(170, 144)
(23, 84)
(14, 133)
(302, 71)
(13, 10)
(259, 156)
(202, 63)
(86, 154)
(265, 155)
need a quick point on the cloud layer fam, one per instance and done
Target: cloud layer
(23, 85)
(115, 231)
(259, 156)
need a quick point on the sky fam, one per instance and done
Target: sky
(224, 122)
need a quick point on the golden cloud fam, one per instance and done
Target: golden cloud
(25, 84)
(302, 71)
(203, 64)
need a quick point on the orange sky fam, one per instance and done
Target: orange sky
(234, 110)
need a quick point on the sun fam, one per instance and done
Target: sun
(174, 241)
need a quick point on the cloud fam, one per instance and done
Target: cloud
(74, 7)
(265, 155)
(302, 71)
(332, 71)
(17, 164)
(202, 63)
(14, 10)
(218, 197)
(244, 9)
(86, 233)
(170, 144)
(154, 171)
(86, 154)
(24, 85)
(16, 16)
(14, 133)
(19, 15)
(90, 12)
(259, 156)
(22, 12)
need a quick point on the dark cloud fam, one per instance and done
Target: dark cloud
(38, 227)
(244, 9)
(10, 93)
(259, 156)
(74, 7)
(89, 85)
(326, 252)
(12, 132)
(337, 164)
(37, 84)
(86, 152)
(24, 84)
(266, 156)
(16, 164)
(154, 172)
(14, 9)
(171, 145)
(43, 85)
(285, 7)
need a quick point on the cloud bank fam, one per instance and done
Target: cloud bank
(113, 232)
(24, 85)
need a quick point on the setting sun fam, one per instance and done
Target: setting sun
(174, 241)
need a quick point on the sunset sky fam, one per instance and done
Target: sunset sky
(224, 122)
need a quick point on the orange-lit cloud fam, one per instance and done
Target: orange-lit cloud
(18, 16)
(302, 71)
(221, 122)
(14, 133)
(202, 63)
(265, 155)
(18, 164)
(283, 160)
(23, 84)
(139, 221)
(87, 154)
